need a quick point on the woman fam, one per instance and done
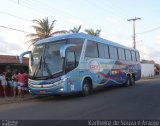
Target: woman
(3, 83)
(15, 83)
(21, 83)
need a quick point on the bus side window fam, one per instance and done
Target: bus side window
(78, 48)
(121, 54)
(91, 49)
(70, 61)
(101, 50)
(137, 56)
(128, 55)
(133, 55)
(113, 52)
(106, 51)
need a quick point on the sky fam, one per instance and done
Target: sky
(110, 16)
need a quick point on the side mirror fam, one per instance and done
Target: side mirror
(22, 55)
(64, 48)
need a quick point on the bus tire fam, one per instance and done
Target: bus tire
(128, 81)
(86, 88)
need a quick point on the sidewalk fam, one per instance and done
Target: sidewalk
(8, 100)
(152, 77)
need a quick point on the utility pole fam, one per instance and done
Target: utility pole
(134, 34)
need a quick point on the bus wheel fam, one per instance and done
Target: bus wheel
(128, 81)
(86, 88)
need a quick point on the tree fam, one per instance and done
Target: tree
(75, 29)
(43, 29)
(93, 32)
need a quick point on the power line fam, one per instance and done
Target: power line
(13, 29)
(6, 13)
(148, 31)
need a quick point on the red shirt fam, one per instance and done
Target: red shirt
(22, 78)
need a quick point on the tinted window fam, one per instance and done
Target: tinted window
(137, 56)
(121, 54)
(77, 49)
(91, 49)
(106, 51)
(101, 50)
(133, 55)
(113, 52)
(128, 55)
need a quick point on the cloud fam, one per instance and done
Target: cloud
(9, 48)
(149, 53)
(76, 22)
(145, 50)
(114, 20)
(157, 39)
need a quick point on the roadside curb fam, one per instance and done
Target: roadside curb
(9, 100)
(152, 77)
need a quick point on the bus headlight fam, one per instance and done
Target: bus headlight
(60, 82)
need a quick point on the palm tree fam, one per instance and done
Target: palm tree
(75, 29)
(91, 31)
(43, 30)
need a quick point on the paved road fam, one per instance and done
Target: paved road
(137, 102)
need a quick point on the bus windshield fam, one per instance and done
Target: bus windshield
(46, 60)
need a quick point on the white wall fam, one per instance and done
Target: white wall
(147, 70)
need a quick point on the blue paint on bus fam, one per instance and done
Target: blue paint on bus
(101, 62)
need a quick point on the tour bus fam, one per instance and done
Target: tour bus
(79, 63)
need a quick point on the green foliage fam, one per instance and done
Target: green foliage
(43, 29)
(91, 31)
(75, 29)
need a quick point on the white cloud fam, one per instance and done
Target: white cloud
(157, 39)
(75, 22)
(113, 19)
(149, 53)
(145, 50)
(9, 48)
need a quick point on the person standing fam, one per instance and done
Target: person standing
(9, 81)
(15, 83)
(21, 77)
(3, 83)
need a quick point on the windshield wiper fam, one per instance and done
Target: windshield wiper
(38, 67)
(47, 68)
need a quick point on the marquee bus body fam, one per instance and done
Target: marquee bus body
(73, 63)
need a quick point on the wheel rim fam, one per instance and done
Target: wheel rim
(86, 89)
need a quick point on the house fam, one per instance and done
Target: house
(149, 68)
(8, 62)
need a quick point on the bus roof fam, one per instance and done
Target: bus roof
(80, 35)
